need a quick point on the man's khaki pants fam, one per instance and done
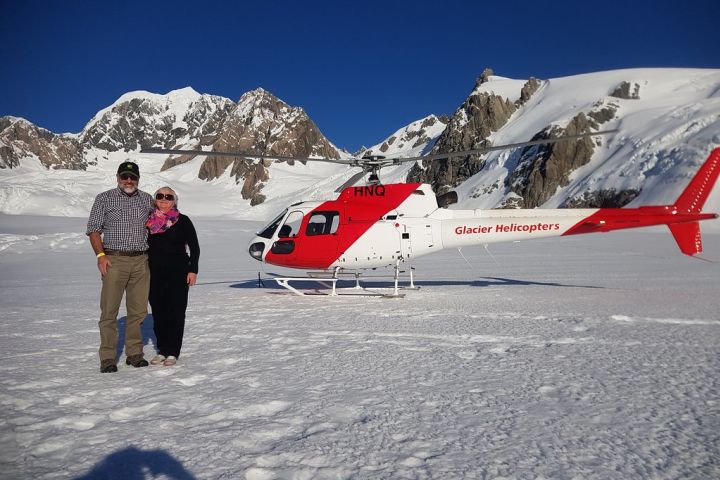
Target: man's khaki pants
(129, 276)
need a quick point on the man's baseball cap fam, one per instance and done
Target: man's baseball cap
(129, 167)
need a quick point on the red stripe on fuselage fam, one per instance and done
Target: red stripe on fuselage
(607, 219)
(360, 208)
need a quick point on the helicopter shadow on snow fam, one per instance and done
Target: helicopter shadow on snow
(370, 282)
(499, 282)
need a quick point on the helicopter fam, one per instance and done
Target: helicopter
(376, 225)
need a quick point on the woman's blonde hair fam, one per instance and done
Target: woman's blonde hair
(167, 188)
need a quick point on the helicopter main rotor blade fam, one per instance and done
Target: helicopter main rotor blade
(246, 155)
(493, 148)
(351, 181)
(371, 163)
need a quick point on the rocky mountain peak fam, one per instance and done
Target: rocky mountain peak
(414, 138)
(20, 139)
(259, 105)
(484, 77)
(262, 123)
(259, 123)
(480, 114)
(258, 92)
(142, 119)
(188, 93)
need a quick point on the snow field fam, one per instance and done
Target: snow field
(587, 357)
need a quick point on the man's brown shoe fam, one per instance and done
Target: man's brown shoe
(108, 366)
(136, 361)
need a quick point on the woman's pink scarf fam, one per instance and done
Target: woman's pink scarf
(159, 222)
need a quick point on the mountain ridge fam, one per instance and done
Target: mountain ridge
(668, 121)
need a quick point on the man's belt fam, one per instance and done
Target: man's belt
(124, 253)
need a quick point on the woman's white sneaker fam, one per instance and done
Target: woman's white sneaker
(157, 359)
(170, 361)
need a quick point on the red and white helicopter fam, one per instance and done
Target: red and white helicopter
(378, 225)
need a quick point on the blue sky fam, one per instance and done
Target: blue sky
(361, 70)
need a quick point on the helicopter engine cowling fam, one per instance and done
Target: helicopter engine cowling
(447, 199)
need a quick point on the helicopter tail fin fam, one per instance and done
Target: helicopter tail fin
(692, 199)
(687, 236)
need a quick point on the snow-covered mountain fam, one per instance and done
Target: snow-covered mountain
(417, 138)
(668, 120)
(20, 139)
(258, 122)
(143, 119)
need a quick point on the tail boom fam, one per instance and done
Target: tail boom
(682, 217)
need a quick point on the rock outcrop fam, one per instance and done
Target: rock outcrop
(530, 87)
(543, 168)
(20, 138)
(609, 198)
(623, 91)
(261, 123)
(481, 114)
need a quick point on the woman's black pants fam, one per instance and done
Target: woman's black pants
(168, 299)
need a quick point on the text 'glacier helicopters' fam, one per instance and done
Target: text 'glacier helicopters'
(378, 225)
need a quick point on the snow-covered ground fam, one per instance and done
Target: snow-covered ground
(592, 357)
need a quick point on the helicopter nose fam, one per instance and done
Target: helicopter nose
(256, 250)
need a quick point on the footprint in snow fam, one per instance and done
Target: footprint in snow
(228, 361)
(190, 381)
(466, 355)
(549, 391)
(131, 413)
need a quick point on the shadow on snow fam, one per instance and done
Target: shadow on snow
(268, 283)
(147, 330)
(134, 464)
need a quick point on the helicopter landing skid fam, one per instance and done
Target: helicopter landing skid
(329, 280)
(334, 291)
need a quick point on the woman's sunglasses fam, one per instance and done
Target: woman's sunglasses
(164, 196)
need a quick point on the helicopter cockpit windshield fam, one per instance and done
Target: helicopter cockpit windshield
(269, 231)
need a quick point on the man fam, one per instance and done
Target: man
(119, 238)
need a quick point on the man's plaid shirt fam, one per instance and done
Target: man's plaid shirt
(121, 219)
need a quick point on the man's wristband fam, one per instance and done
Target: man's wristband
(101, 254)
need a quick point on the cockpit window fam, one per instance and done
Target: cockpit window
(291, 227)
(323, 223)
(268, 231)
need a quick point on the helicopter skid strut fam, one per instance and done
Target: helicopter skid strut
(330, 283)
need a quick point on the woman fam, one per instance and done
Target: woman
(172, 272)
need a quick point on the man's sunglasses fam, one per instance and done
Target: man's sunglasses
(164, 196)
(128, 176)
